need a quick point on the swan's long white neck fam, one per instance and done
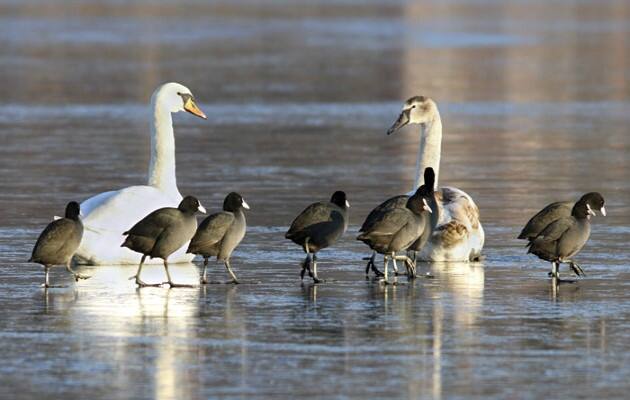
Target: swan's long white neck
(429, 150)
(162, 166)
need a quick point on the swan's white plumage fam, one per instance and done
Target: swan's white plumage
(458, 234)
(109, 214)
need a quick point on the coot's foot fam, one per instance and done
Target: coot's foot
(141, 283)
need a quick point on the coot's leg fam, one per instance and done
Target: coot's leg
(304, 266)
(139, 281)
(409, 264)
(76, 275)
(395, 266)
(314, 276)
(385, 268)
(204, 279)
(372, 265)
(46, 281)
(555, 273)
(576, 268)
(170, 281)
(229, 268)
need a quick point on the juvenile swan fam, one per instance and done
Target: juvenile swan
(109, 214)
(457, 233)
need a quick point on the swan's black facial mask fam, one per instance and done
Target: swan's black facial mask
(403, 119)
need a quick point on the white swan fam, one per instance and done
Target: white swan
(458, 234)
(109, 214)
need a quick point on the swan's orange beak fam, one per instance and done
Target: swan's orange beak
(192, 108)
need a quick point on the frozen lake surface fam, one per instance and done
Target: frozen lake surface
(534, 97)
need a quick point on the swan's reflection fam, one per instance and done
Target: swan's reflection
(425, 314)
(466, 283)
(131, 326)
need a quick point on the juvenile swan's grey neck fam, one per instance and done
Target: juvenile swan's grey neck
(429, 150)
(162, 166)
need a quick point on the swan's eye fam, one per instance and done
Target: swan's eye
(179, 93)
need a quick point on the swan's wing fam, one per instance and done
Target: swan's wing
(389, 204)
(459, 216)
(545, 217)
(457, 205)
(117, 211)
(211, 230)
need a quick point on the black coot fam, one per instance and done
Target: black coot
(555, 211)
(220, 233)
(161, 233)
(401, 202)
(563, 238)
(317, 227)
(399, 228)
(59, 241)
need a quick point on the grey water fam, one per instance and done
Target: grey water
(534, 98)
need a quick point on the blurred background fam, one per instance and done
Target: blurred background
(534, 99)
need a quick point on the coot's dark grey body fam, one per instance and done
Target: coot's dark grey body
(400, 201)
(59, 241)
(162, 232)
(397, 229)
(220, 233)
(564, 237)
(317, 227)
(553, 212)
(390, 204)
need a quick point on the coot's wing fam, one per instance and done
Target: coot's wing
(390, 222)
(155, 223)
(545, 217)
(54, 237)
(555, 230)
(387, 205)
(212, 230)
(313, 214)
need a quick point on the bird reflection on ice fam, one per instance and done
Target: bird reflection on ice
(149, 320)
